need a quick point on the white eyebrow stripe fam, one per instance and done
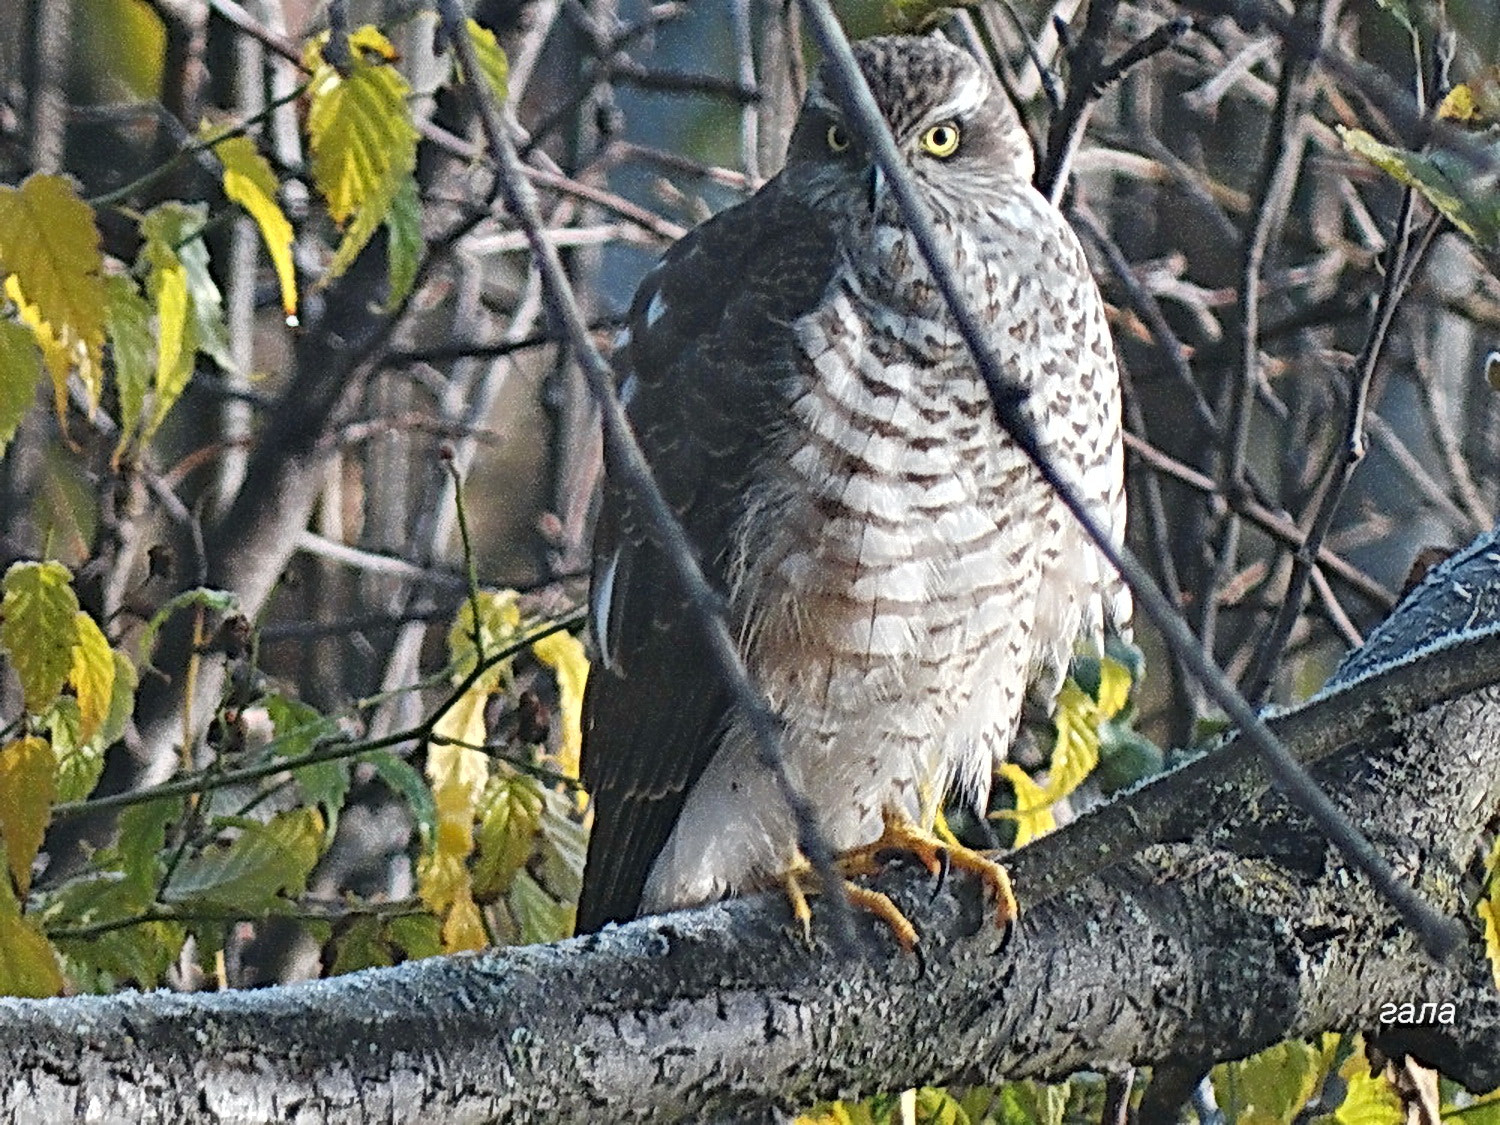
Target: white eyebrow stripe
(966, 99)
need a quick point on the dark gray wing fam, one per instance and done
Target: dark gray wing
(710, 344)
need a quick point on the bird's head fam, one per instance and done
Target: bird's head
(958, 133)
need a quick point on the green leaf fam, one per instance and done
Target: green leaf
(250, 182)
(540, 918)
(79, 763)
(416, 935)
(1126, 757)
(113, 900)
(49, 245)
(1272, 1086)
(222, 601)
(1485, 1111)
(1400, 10)
(404, 781)
(404, 227)
(20, 372)
(1033, 1102)
(1443, 179)
(141, 953)
(938, 1107)
(133, 346)
(39, 627)
(137, 852)
(248, 873)
(28, 963)
(121, 701)
(27, 789)
(80, 760)
(362, 945)
(564, 846)
(298, 729)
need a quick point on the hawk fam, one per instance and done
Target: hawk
(897, 573)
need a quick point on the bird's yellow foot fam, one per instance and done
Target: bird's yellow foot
(936, 854)
(798, 881)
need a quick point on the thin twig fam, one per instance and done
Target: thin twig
(1272, 197)
(1341, 471)
(1085, 63)
(1277, 525)
(372, 562)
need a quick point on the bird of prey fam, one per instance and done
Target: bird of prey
(897, 573)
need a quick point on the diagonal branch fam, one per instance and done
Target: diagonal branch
(627, 464)
(1440, 934)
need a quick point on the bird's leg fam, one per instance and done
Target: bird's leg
(800, 879)
(936, 854)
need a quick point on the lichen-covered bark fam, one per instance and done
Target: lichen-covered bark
(1243, 929)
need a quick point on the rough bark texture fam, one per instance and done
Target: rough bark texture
(1243, 930)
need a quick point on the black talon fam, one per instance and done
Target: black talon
(945, 865)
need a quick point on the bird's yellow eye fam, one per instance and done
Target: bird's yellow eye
(941, 140)
(838, 140)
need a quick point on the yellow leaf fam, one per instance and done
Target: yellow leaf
(1489, 911)
(463, 722)
(499, 621)
(27, 788)
(250, 182)
(19, 375)
(1475, 102)
(458, 777)
(492, 61)
(1075, 752)
(1114, 687)
(49, 246)
(1033, 811)
(463, 928)
(28, 963)
(359, 125)
(176, 346)
(1369, 1099)
(378, 207)
(92, 675)
(499, 626)
(38, 627)
(564, 654)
